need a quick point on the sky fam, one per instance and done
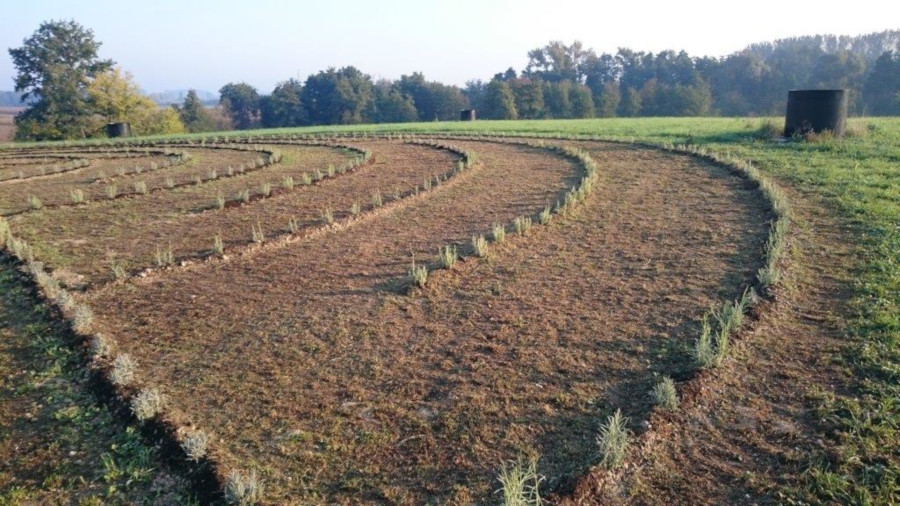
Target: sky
(205, 44)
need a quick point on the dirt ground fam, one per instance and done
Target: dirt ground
(752, 431)
(7, 126)
(322, 374)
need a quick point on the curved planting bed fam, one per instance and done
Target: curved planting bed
(408, 329)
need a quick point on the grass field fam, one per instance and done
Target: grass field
(274, 311)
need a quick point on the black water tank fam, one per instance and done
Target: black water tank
(467, 115)
(816, 111)
(118, 130)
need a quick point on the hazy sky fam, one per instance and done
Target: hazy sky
(170, 44)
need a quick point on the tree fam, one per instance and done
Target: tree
(608, 101)
(631, 104)
(556, 96)
(115, 96)
(392, 106)
(529, 95)
(55, 66)
(557, 62)
(499, 102)
(194, 115)
(882, 88)
(284, 107)
(241, 103)
(342, 96)
(582, 103)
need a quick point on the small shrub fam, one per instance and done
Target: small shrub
(170, 183)
(520, 483)
(256, 233)
(376, 199)
(100, 347)
(165, 256)
(287, 182)
(112, 191)
(5, 232)
(330, 170)
(418, 274)
(212, 174)
(306, 179)
(522, 224)
(613, 441)
(243, 490)
(244, 195)
(354, 209)
(545, 216)
(140, 187)
(318, 175)
(82, 318)
(220, 200)
(218, 245)
(198, 180)
(704, 349)
(665, 395)
(122, 372)
(480, 246)
(327, 215)
(293, 225)
(146, 404)
(77, 196)
(447, 256)
(117, 269)
(34, 202)
(427, 184)
(195, 445)
(266, 189)
(498, 233)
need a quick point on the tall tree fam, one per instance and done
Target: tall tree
(342, 96)
(284, 107)
(529, 93)
(194, 115)
(241, 102)
(392, 106)
(556, 96)
(115, 96)
(582, 103)
(557, 62)
(55, 66)
(499, 102)
(882, 88)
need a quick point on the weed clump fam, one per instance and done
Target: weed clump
(418, 274)
(243, 489)
(613, 440)
(146, 404)
(480, 246)
(665, 395)
(195, 445)
(122, 372)
(447, 256)
(520, 483)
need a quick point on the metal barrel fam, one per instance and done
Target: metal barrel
(816, 111)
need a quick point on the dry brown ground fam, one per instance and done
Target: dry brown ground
(752, 430)
(308, 364)
(132, 229)
(56, 189)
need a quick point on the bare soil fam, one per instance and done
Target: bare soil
(310, 364)
(752, 430)
(56, 190)
(131, 230)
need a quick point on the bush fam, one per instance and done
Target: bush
(520, 483)
(613, 441)
(665, 395)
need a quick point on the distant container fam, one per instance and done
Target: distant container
(118, 130)
(467, 115)
(816, 111)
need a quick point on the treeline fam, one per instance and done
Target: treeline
(571, 81)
